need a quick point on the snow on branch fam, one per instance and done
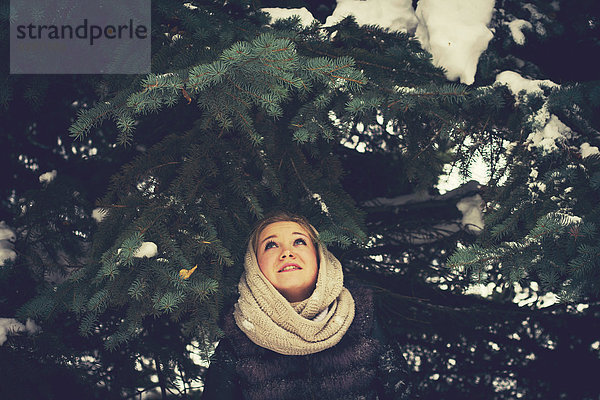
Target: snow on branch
(7, 236)
(10, 326)
(455, 32)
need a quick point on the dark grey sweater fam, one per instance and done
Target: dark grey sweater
(360, 366)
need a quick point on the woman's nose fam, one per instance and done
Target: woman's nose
(287, 253)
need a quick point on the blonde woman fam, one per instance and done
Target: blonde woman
(296, 332)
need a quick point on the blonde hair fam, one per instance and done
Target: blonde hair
(281, 216)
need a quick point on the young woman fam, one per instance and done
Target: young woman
(296, 332)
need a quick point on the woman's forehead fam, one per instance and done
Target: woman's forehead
(283, 227)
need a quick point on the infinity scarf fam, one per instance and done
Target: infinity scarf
(270, 321)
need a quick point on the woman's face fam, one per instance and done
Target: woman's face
(288, 259)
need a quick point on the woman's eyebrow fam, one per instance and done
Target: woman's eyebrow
(299, 233)
(268, 237)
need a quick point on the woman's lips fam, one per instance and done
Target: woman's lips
(289, 267)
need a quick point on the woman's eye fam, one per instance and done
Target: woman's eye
(269, 245)
(299, 241)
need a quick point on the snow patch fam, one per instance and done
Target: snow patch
(587, 150)
(396, 15)
(472, 215)
(190, 6)
(534, 173)
(147, 249)
(539, 119)
(10, 326)
(7, 237)
(516, 30)
(582, 307)
(306, 18)
(48, 177)
(516, 83)
(455, 32)
(547, 129)
(552, 133)
(320, 201)
(98, 214)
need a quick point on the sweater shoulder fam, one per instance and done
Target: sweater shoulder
(364, 308)
(242, 346)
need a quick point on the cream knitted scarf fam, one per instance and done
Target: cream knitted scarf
(270, 321)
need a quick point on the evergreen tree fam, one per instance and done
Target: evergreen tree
(351, 126)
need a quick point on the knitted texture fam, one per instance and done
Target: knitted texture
(270, 321)
(346, 371)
